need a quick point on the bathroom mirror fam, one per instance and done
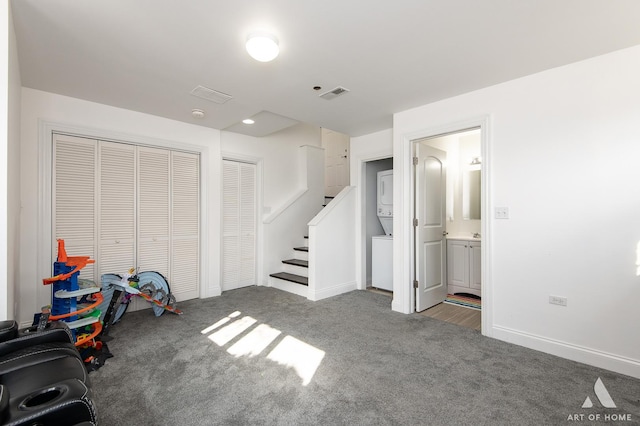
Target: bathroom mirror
(471, 194)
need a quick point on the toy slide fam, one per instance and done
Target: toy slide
(78, 314)
(77, 262)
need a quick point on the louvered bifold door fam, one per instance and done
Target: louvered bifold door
(153, 209)
(247, 275)
(74, 195)
(117, 208)
(239, 225)
(185, 225)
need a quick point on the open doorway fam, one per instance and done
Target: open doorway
(380, 276)
(447, 228)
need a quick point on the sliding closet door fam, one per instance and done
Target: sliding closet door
(185, 219)
(239, 225)
(74, 197)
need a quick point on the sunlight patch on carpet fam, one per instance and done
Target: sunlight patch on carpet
(302, 357)
(289, 352)
(228, 332)
(254, 342)
(219, 323)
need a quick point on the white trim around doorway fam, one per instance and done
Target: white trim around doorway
(403, 245)
(361, 232)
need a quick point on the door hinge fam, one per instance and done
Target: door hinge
(415, 283)
(415, 222)
(415, 161)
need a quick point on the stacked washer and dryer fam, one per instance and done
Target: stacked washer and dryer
(382, 245)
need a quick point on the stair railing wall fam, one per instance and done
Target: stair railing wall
(284, 228)
(332, 239)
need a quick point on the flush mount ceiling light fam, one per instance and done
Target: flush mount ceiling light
(248, 121)
(262, 46)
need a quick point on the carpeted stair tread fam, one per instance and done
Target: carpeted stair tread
(297, 262)
(301, 249)
(298, 279)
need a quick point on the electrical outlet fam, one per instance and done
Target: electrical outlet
(502, 212)
(558, 300)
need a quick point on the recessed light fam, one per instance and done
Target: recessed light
(248, 121)
(197, 113)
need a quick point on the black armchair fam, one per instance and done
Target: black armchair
(43, 380)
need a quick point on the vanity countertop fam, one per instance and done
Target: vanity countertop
(463, 238)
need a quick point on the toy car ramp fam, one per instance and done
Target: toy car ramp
(154, 285)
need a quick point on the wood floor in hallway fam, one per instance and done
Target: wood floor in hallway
(458, 315)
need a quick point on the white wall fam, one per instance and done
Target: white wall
(10, 166)
(563, 152)
(292, 165)
(331, 242)
(100, 120)
(279, 154)
(374, 146)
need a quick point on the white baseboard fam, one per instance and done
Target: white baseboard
(596, 358)
(332, 291)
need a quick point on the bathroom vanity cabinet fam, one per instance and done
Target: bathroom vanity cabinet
(463, 265)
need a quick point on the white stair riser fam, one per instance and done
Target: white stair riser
(288, 286)
(293, 269)
(302, 255)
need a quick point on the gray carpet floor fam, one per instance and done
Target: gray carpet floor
(346, 360)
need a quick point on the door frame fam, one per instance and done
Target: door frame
(257, 161)
(358, 173)
(404, 241)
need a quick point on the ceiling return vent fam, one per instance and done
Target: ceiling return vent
(211, 95)
(332, 94)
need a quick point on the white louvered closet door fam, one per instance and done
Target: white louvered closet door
(128, 206)
(239, 225)
(74, 195)
(185, 221)
(117, 208)
(154, 190)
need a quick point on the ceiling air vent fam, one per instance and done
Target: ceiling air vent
(211, 95)
(332, 94)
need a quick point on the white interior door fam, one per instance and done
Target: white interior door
(74, 198)
(239, 225)
(336, 175)
(185, 225)
(430, 206)
(117, 207)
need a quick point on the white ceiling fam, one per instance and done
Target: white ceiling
(147, 55)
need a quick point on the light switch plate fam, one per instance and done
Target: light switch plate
(502, 212)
